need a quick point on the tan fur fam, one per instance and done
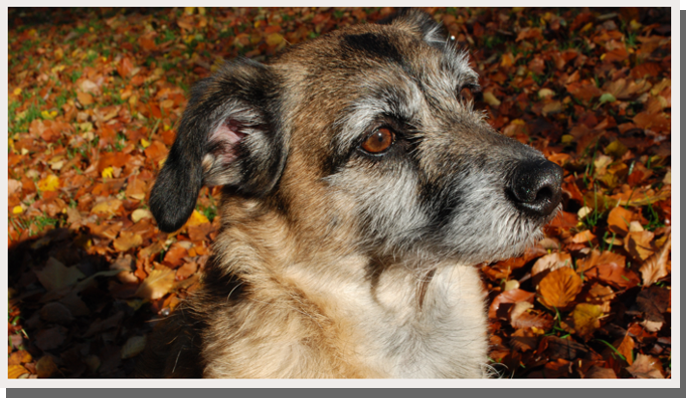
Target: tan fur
(343, 267)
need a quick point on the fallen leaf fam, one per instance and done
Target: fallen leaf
(16, 371)
(586, 319)
(559, 288)
(110, 207)
(551, 262)
(133, 347)
(56, 276)
(85, 98)
(646, 367)
(638, 244)
(619, 220)
(509, 297)
(47, 339)
(157, 284)
(127, 240)
(49, 183)
(626, 348)
(140, 214)
(654, 268)
(46, 367)
(596, 372)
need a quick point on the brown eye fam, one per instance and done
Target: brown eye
(379, 141)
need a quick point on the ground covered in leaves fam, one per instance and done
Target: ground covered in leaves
(94, 99)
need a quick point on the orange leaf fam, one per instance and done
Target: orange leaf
(551, 262)
(157, 284)
(49, 183)
(583, 237)
(127, 240)
(654, 268)
(559, 288)
(619, 220)
(509, 297)
(125, 67)
(586, 319)
(85, 98)
(15, 371)
(638, 244)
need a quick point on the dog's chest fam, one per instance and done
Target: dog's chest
(444, 338)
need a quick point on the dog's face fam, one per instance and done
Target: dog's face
(366, 136)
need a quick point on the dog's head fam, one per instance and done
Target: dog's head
(370, 132)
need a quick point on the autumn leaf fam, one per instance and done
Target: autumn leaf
(586, 319)
(551, 262)
(559, 288)
(157, 284)
(646, 367)
(49, 183)
(619, 220)
(133, 346)
(127, 240)
(55, 275)
(654, 268)
(638, 244)
(509, 297)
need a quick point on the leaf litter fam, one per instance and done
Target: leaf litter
(95, 96)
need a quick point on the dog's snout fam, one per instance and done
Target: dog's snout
(536, 187)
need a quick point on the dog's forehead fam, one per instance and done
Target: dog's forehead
(352, 54)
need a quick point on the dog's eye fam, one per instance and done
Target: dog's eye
(379, 142)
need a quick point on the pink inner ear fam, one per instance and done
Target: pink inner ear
(225, 137)
(229, 133)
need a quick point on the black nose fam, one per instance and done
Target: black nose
(536, 187)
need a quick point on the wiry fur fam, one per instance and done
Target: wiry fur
(333, 262)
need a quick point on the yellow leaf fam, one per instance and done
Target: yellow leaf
(157, 284)
(196, 219)
(49, 183)
(108, 172)
(15, 371)
(274, 39)
(17, 210)
(17, 91)
(201, 10)
(145, 143)
(106, 207)
(586, 318)
(189, 10)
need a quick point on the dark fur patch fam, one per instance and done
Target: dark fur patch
(372, 45)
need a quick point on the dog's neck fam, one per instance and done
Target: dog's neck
(401, 321)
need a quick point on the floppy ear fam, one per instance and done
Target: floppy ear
(228, 136)
(419, 23)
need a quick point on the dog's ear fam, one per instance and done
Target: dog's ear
(228, 136)
(419, 23)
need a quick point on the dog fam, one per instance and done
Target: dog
(360, 188)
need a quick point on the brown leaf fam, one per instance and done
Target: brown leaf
(127, 240)
(653, 302)
(597, 258)
(559, 288)
(48, 339)
(586, 319)
(614, 274)
(57, 276)
(619, 220)
(626, 348)
(157, 284)
(647, 367)
(46, 367)
(85, 98)
(509, 297)
(551, 262)
(133, 347)
(105, 324)
(125, 67)
(583, 237)
(55, 312)
(16, 371)
(654, 268)
(639, 244)
(109, 207)
(596, 372)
